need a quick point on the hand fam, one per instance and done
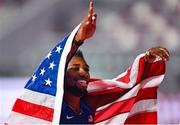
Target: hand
(88, 25)
(155, 52)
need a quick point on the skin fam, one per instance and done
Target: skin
(155, 52)
(86, 30)
(79, 70)
(88, 25)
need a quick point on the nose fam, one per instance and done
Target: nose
(84, 74)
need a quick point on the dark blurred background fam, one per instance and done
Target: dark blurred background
(125, 28)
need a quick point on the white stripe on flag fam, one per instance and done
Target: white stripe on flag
(148, 82)
(141, 106)
(152, 81)
(60, 78)
(135, 70)
(38, 98)
(24, 119)
(107, 85)
(130, 94)
(144, 105)
(110, 84)
(121, 75)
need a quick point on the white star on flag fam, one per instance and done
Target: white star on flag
(58, 49)
(34, 77)
(42, 71)
(51, 66)
(48, 82)
(49, 54)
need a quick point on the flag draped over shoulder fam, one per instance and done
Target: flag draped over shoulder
(129, 98)
(42, 98)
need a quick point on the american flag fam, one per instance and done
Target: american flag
(42, 98)
(129, 98)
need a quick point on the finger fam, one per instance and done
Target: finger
(165, 54)
(162, 55)
(165, 51)
(89, 18)
(94, 18)
(90, 8)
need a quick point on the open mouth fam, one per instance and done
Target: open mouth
(83, 83)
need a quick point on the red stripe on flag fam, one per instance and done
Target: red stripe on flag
(110, 91)
(122, 106)
(154, 69)
(125, 105)
(141, 69)
(147, 93)
(160, 65)
(126, 77)
(143, 118)
(33, 110)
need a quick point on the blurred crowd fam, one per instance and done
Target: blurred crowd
(125, 28)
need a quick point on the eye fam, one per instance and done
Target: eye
(74, 69)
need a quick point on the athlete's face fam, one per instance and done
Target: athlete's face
(77, 76)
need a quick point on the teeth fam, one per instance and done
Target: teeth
(82, 83)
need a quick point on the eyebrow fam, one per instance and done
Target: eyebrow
(79, 65)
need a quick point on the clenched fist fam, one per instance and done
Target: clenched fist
(156, 52)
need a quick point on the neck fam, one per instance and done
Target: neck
(73, 101)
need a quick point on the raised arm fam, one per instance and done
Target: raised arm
(88, 25)
(86, 30)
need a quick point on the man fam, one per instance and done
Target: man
(116, 101)
(77, 77)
